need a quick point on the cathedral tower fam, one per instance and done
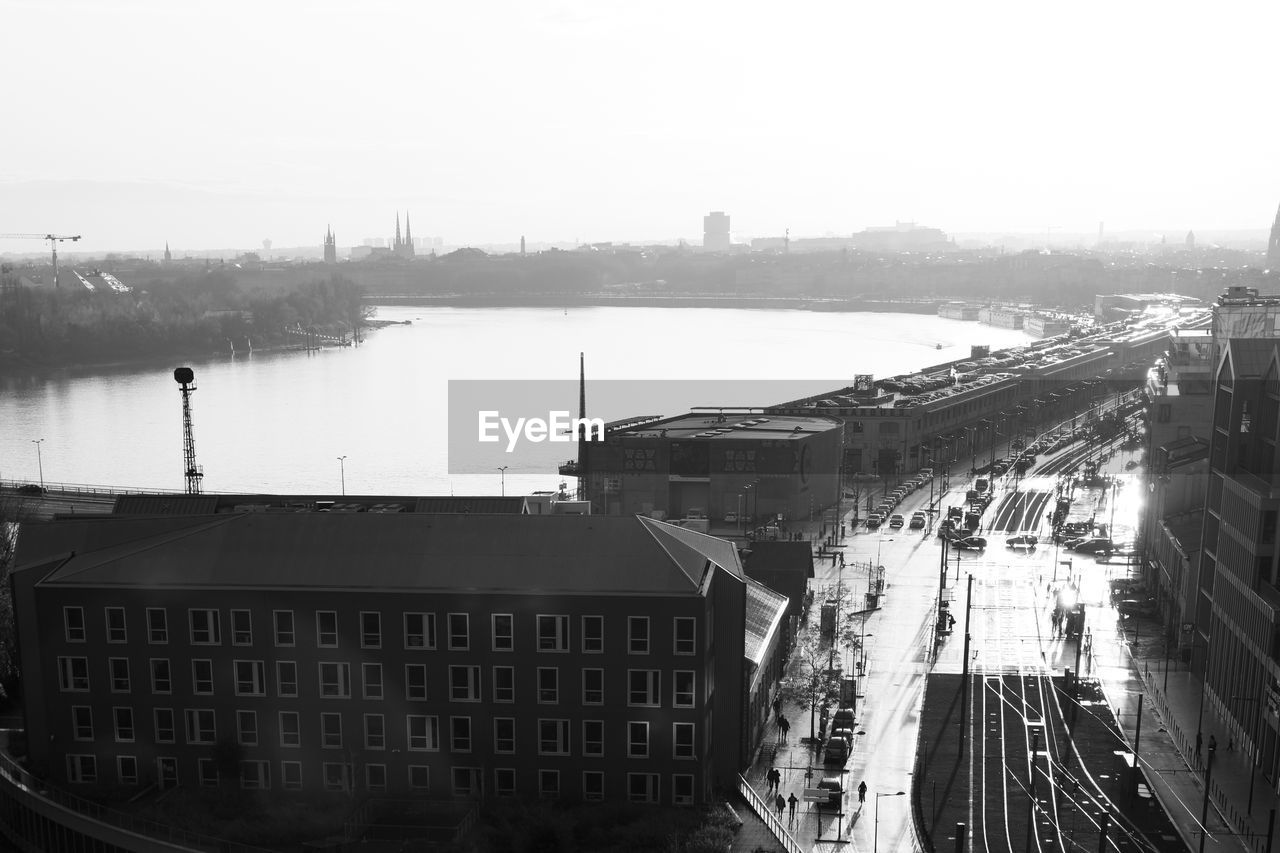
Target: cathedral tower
(330, 246)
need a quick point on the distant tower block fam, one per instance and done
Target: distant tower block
(194, 474)
(715, 231)
(522, 244)
(330, 246)
(1273, 247)
(168, 256)
(1191, 239)
(266, 248)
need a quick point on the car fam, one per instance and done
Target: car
(896, 521)
(874, 521)
(1025, 540)
(981, 484)
(918, 521)
(1093, 546)
(730, 518)
(1071, 542)
(969, 543)
(842, 719)
(835, 791)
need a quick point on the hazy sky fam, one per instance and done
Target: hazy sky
(218, 124)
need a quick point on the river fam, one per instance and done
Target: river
(279, 421)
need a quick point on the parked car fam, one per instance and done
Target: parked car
(982, 484)
(918, 520)
(730, 517)
(970, 543)
(842, 719)
(837, 751)
(1093, 546)
(874, 520)
(1025, 540)
(835, 791)
(896, 521)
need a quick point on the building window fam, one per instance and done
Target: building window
(331, 731)
(251, 678)
(337, 777)
(375, 731)
(424, 733)
(116, 632)
(459, 632)
(637, 740)
(372, 677)
(335, 680)
(682, 741)
(593, 687)
(127, 769)
(370, 629)
(466, 781)
(168, 772)
(549, 784)
(1164, 413)
(165, 728)
(119, 674)
(548, 685)
(464, 683)
(592, 634)
(419, 630)
(82, 769)
(503, 632)
(504, 684)
(504, 735)
(73, 674)
(255, 775)
(247, 728)
(124, 724)
(683, 688)
(415, 682)
(553, 633)
(200, 726)
(290, 729)
(375, 778)
(287, 678)
(241, 628)
(82, 722)
(327, 629)
(638, 635)
(161, 677)
(504, 781)
(205, 630)
(202, 677)
(284, 628)
(419, 777)
(686, 629)
(207, 769)
(291, 775)
(460, 734)
(553, 737)
(682, 789)
(593, 738)
(642, 787)
(643, 687)
(157, 626)
(73, 621)
(592, 785)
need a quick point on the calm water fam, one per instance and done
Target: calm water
(277, 422)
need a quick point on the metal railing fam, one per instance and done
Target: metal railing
(763, 811)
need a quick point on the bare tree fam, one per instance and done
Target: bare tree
(815, 684)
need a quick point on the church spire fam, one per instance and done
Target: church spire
(408, 235)
(1273, 247)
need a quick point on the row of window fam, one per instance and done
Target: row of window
(419, 630)
(340, 776)
(334, 680)
(422, 732)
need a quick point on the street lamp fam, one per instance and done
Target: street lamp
(503, 473)
(875, 837)
(39, 460)
(342, 471)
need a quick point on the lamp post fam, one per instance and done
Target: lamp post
(503, 473)
(739, 513)
(875, 837)
(342, 472)
(39, 460)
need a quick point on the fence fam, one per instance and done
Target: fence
(766, 814)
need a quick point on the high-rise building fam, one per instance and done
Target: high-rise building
(330, 247)
(715, 231)
(1273, 247)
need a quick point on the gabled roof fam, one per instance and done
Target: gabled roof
(1247, 357)
(606, 555)
(765, 612)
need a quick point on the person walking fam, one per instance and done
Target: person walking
(862, 791)
(780, 803)
(791, 806)
(775, 780)
(785, 727)
(781, 720)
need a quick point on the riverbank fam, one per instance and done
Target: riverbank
(572, 300)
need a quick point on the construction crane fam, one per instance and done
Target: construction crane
(54, 240)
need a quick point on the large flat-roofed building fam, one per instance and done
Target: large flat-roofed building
(391, 653)
(712, 464)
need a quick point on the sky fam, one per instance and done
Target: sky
(221, 124)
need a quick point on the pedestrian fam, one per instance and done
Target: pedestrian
(862, 791)
(775, 780)
(780, 803)
(786, 727)
(780, 718)
(777, 706)
(791, 804)
(1199, 743)
(1231, 744)
(1213, 743)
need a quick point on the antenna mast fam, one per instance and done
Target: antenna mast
(194, 474)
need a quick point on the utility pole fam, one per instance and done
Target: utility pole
(1204, 811)
(964, 678)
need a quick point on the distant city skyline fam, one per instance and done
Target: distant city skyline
(153, 122)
